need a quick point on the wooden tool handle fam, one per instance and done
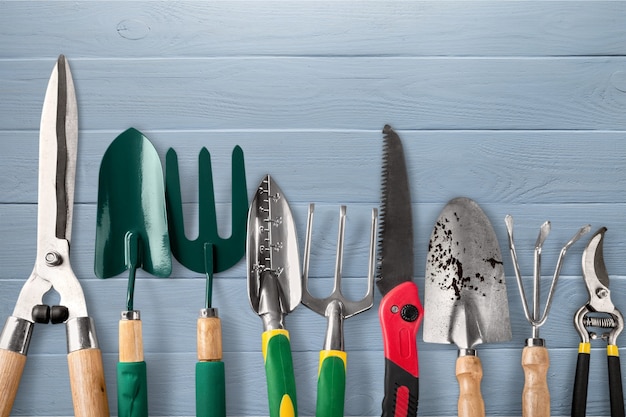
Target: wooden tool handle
(11, 369)
(87, 382)
(209, 339)
(469, 373)
(535, 396)
(131, 341)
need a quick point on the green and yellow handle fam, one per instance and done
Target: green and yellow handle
(210, 374)
(281, 383)
(331, 383)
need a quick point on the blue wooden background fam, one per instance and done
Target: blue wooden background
(518, 105)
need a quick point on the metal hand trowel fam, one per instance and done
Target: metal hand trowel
(465, 297)
(131, 233)
(274, 288)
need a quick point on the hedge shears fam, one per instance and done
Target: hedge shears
(58, 139)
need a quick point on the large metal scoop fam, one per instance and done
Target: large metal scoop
(465, 293)
(131, 233)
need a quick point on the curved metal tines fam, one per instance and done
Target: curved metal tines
(537, 318)
(336, 307)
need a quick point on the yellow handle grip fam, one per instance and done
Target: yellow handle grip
(469, 373)
(87, 382)
(536, 396)
(11, 369)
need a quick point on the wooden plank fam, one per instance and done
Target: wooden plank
(425, 28)
(18, 246)
(171, 383)
(343, 167)
(328, 93)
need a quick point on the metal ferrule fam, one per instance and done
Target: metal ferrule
(130, 315)
(334, 331)
(81, 334)
(467, 352)
(208, 312)
(270, 305)
(535, 341)
(16, 335)
(273, 321)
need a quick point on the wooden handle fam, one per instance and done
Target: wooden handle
(87, 382)
(536, 396)
(469, 373)
(209, 339)
(131, 341)
(11, 369)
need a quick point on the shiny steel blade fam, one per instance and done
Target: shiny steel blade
(595, 273)
(395, 236)
(465, 290)
(274, 278)
(58, 139)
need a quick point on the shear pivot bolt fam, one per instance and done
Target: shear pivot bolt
(53, 259)
(602, 292)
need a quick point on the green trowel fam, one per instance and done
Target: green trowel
(131, 233)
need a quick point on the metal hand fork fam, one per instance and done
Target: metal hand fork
(331, 380)
(535, 358)
(208, 253)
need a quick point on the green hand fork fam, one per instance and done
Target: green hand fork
(208, 254)
(131, 232)
(331, 380)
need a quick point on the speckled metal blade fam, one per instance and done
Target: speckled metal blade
(465, 297)
(395, 264)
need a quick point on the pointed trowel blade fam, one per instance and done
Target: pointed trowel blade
(465, 296)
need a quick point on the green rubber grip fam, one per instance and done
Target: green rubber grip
(132, 389)
(281, 383)
(210, 389)
(331, 384)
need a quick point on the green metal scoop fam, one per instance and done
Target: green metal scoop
(131, 233)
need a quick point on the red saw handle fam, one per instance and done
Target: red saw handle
(401, 314)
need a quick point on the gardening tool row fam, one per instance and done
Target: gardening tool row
(140, 224)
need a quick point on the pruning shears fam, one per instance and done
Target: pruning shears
(600, 313)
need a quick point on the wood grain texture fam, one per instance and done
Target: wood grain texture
(536, 394)
(437, 28)
(89, 393)
(329, 93)
(11, 370)
(209, 339)
(469, 373)
(130, 341)
(518, 104)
